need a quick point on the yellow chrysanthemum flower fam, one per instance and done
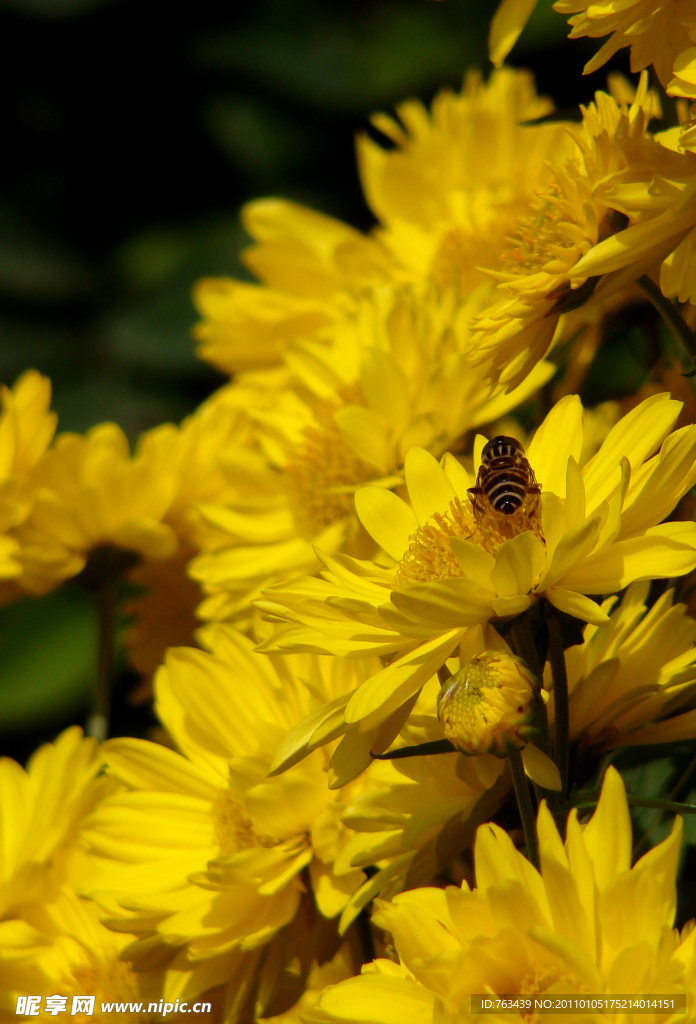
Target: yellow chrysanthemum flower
(534, 269)
(595, 529)
(62, 949)
(26, 428)
(629, 681)
(659, 32)
(659, 197)
(589, 923)
(41, 810)
(313, 268)
(461, 175)
(203, 857)
(394, 375)
(91, 493)
(446, 199)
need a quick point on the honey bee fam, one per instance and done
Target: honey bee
(505, 479)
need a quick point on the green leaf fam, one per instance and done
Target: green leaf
(47, 657)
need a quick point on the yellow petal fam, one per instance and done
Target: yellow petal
(518, 564)
(365, 431)
(447, 603)
(295, 746)
(474, 562)
(384, 386)
(571, 548)
(540, 768)
(387, 690)
(637, 242)
(578, 605)
(457, 475)
(429, 489)
(636, 436)
(480, 441)
(608, 834)
(508, 22)
(506, 401)
(672, 476)
(388, 519)
(664, 551)
(677, 277)
(672, 730)
(575, 494)
(144, 765)
(558, 437)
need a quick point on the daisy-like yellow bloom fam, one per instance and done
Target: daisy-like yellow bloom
(90, 493)
(588, 923)
(460, 175)
(595, 529)
(203, 857)
(395, 375)
(567, 219)
(446, 198)
(62, 949)
(629, 680)
(659, 32)
(658, 196)
(313, 267)
(41, 810)
(26, 428)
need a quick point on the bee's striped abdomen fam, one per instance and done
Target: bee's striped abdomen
(505, 476)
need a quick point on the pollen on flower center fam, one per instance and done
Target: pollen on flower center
(322, 474)
(537, 982)
(234, 830)
(537, 239)
(109, 979)
(430, 556)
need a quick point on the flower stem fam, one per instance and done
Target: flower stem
(105, 596)
(560, 699)
(525, 648)
(524, 803)
(633, 801)
(363, 929)
(672, 317)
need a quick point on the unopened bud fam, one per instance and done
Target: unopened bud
(488, 706)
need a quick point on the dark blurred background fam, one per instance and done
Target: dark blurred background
(133, 132)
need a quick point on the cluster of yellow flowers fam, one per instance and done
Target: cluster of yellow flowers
(375, 604)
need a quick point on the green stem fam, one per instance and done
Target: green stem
(523, 639)
(590, 798)
(525, 648)
(524, 803)
(560, 698)
(105, 595)
(671, 315)
(366, 942)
